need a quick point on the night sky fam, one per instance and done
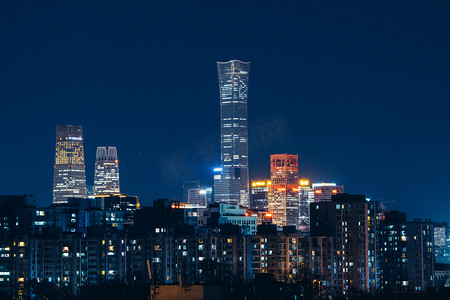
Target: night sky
(359, 89)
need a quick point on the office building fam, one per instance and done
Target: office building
(197, 192)
(283, 190)
(305, 198)
(260, 194)
(323, 191)
(69, 179)
(232, 184)
(106, 179)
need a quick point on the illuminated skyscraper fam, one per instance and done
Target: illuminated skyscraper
(305, 197)
(283, 192)
(106, 180)
(69, 179)
(260, 192)
(232, 185)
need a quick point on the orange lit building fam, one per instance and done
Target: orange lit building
(262, 216)
(323, 191)
(283, 190)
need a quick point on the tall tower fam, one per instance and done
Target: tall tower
(232, 185)
(69, 179)
(283, 192)
(106, 179)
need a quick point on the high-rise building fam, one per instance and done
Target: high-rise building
(407, 253)
(442, 242)
(232, 184)
(283, 191)
(350, 219)
(323, 191)
(260, 194)
(305, 197)
(69, 179)
(197, 192)
(106, 179)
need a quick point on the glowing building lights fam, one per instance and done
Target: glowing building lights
(283, 190)
(69, 179)
(106, 180)
(303, 182)
(232, 184)
(259, 194)
(323, 191)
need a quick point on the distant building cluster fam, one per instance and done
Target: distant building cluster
(69, 179)
(226, 230)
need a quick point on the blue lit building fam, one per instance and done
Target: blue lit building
(232, 185)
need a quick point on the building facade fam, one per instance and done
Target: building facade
(106, 179)
(232, 185)
(349, 220)
(323, 191)
(260, 194)
(283, 190)
(197, 192)
(442, 242)
(305, 198)
(69, 179)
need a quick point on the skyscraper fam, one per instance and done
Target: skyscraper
(69, 179)
(106, 180)
(305, 197)
(232, 185)
(283, 192)
(260, 192)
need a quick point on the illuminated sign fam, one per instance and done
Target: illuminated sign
(334, 191)
(318, 191)
(323, 184)
(258, 183)
(218, 169)
(304, 182)
(73, 138)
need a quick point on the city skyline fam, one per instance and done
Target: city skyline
(364, 105)
(225, 150)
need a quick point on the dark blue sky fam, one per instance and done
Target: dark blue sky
(359, 90)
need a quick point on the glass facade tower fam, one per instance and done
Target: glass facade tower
(69, 179)
(283, 192)
(232, 185)
(106, 179)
